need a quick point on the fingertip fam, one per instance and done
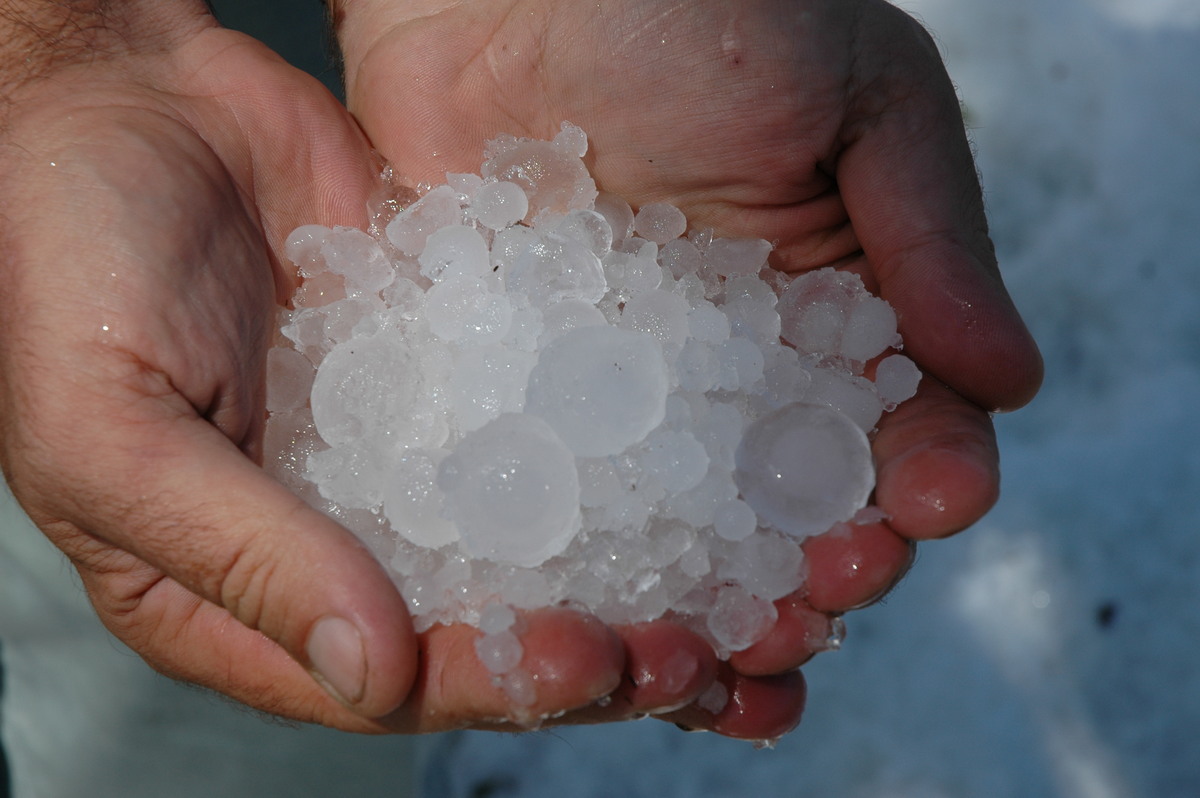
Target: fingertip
(667, 667)
(800, 632)
(567, 660)
(936, 490)
(760, 708)
(854, 565)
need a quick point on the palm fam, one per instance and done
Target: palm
(827, 127)
(638, 78)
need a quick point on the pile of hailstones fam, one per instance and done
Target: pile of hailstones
(521, 394)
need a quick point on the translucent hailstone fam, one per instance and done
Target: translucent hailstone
(359, 259)
(896, 380)
(738, 620)
(659, 222)
(734, 520)
(853, 397)
(496, 618)
(803, 468)
(551, 268)
(732, 257)
(455, 251)
(499, 204)
(675, 459)
(769, 566)
(681, 257)
(500, 652)
(660, 313)
(410, 229)
(464, 310)
(364, 387)
(585, 226)
(303, 248)
(565, 316)
(829, 312)
(413, 502)
(549, 172)
(512, 490)
(617, 213)
(601, 388)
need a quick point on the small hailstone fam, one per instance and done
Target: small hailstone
(499, 204)
(562, 317)
(464, 184)
(734, 520)
(587, 227)
(462, 309)
(659, 222)
(411, 228)
(496, 618)
(731, 257)
(455, 251)
(681, 257)
(499, 652)
(551, 268)
(303, 248)
(830, 312)
(896, 379)
(413, 502)
(359, 259)
(550, 173)
(739, 620)
(617, 213)
(714, 699)
(676, 459)
(659, 313)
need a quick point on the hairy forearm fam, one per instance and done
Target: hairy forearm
(37, 37)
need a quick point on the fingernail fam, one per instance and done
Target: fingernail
(336, 656)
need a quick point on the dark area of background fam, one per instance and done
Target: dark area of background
(296, 29)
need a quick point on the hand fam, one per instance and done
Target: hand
(151, 165)
(827, 126)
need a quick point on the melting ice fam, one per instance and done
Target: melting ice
(521, 393)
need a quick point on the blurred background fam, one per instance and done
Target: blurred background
(1050, 651)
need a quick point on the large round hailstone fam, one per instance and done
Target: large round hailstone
(601, 388)
(364, 387)
(804, 468)
(512, 490)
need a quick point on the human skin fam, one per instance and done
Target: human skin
(151, 164)
(826, 126)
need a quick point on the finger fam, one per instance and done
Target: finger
(937, 462)
(167, 624)
(750, 708)
(799, 633)
(911, 190)
(192, 506)
(568, 660)
(853, 565)
(666, 668)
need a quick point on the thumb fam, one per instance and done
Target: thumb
(206, 538)
(910, 186)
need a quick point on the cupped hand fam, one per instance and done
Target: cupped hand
(147, 181)
(826, 126)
